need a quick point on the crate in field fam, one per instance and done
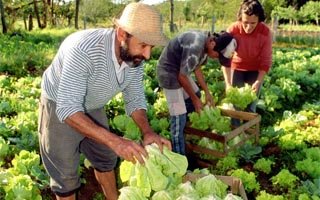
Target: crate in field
(236, 186)
(249, 129)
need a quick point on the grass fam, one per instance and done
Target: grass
(304, 27)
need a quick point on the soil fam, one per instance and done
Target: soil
(91, 188)
(271, 150)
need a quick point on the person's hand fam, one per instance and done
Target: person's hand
(198, 105)
(228, 86)
(209, 99)
(255, 86)
(152, 137)
(130, 150)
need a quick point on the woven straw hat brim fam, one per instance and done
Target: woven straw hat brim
(143, 22)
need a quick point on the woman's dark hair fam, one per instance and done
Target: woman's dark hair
(251, 7)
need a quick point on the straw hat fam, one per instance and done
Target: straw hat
(144, 22)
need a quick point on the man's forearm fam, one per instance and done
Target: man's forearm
(201, 80)
(84, 125)
(141, 119)
(185, 83)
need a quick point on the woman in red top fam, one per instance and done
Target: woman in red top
(253, 56)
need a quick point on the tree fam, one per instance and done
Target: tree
(52, 16)
(76, 17)
(45, 13)
(289, 13)
(3, 20)
(96, 11)
(187, 11)
(311, 11)
(269, 5)
(36, 11)
(171, 16)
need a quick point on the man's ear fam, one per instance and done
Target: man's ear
(121, 34)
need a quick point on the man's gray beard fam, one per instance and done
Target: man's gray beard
(126, 57)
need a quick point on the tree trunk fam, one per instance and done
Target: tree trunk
(3, 19)
(275, 24)
(53, 21)
(24, 22)
(36, 11)
(30, 23)
(45, 13)
(171, 16)
(76, 17)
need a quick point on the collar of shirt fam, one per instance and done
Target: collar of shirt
(120, 69)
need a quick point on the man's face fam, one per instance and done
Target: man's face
(133, 52)
(210, 46)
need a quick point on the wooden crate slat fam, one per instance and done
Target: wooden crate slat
(214, 136)
(248, 130)
(199, 149)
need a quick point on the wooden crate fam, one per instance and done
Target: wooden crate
(235, 184)
(249, 129)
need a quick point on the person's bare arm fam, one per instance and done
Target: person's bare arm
(258, 82)
(201, 81)
(124, 148)
(185, 83)
(227, 76)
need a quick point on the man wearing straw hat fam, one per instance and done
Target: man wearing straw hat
(183, 55)
(90, 68)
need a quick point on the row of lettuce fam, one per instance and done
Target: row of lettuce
(289, 107)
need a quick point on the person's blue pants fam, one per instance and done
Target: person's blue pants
(177, 124)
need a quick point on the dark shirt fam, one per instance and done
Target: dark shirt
(182, 55)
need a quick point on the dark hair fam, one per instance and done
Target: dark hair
(251, 7)
(128, 35)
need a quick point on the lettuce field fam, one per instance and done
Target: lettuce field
(285, 164)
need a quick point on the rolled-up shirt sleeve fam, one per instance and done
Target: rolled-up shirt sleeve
(133, 94)
(73, 84)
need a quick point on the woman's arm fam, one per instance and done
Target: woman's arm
(227, 76)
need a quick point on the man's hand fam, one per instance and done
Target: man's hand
(130, 150)
(209, 99)
(198, 105)
(151, 137)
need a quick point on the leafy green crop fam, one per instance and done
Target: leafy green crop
(248, 179)
(240, 97)
(263, 195)
(161, 177)
(285, 179)
(264, 165)
(311, 163)
(210, 118)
